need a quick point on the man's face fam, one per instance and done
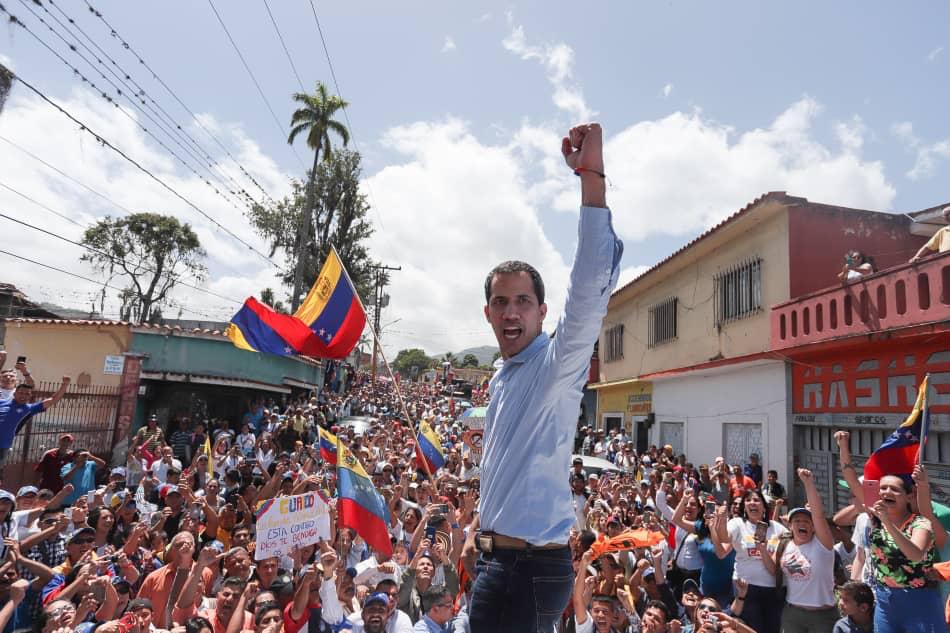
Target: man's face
(267, 567)
(167, 453)
(654, 621)
(22, 395)
(144, 616)
(374, 617)
(602, 614)
(772, 478)
(241, 538)
(227, 600)
(514, 312)
(8, 380)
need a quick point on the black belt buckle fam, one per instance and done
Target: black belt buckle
(485, 543)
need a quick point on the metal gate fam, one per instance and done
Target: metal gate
(739, 440)
(88, 413)
(671, 433)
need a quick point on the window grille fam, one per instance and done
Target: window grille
(662, 327)
(614, 340)
(738, 291)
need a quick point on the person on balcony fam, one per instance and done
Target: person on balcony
(939, 243)
(856, 266)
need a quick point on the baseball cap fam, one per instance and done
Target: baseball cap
(613, 518)
(754, 456)
(66, 436)
(577, 460)
(79, 532)
(167, 489)
(141, 603)
(379, 596)
(118, 470)
(799, 511)
(689, 585)
(8, 496)
(27, 490)
(594, 476)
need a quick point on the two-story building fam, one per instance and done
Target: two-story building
(686, 355)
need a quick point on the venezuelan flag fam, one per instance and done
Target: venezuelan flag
(429, 448)
(332, 309)
(327, 325)
(900, 452)
(360, 506)
(328, 444)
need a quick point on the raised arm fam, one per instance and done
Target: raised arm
(817, 507)
(56, 397)
(925, 505)
(677, 518)
(579, 596)
(843, 439)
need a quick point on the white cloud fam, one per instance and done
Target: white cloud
(449, 45)
(851, 134)
(235, 272)
(667, 91)
(6, 61)
(927, 156)
(630, 273)
(558, 61)
(485, 17)
(932, 55)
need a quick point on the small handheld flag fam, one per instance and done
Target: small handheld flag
(361, 507)
(328, 444)
(429, 448)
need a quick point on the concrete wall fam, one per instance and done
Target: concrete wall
(820, 235)
(707, 402)
(761, 232)
(54, 350)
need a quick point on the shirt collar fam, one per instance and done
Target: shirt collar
(533, 348)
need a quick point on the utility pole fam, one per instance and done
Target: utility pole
(378, 297)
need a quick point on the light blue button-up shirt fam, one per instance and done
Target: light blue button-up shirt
(535, 401)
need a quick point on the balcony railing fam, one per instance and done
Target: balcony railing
(902, 296)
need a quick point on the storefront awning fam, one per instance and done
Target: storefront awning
(213, 380)
(615, 383)
(300, 384)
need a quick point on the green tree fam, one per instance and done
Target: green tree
(315, 118)
(406, 359)
(470, 360)
(450, 358)
(495, 357)
(150, 252)
(340, 212)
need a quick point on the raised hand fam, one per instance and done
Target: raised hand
(805, 475)
(583, 147)
(842, 439)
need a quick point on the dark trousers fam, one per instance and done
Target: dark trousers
(763, 609)
(521, 591)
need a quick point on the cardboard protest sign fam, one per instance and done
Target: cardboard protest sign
(286, 523)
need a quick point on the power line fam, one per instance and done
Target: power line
(41, 205)
(254, 79)
(178, 280)
(106, 143)
(65, 175)
(212, 163)
(98, 283)
(284, 45)
(127, 46)
(119, 92)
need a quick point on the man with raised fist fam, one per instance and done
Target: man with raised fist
(525, 516)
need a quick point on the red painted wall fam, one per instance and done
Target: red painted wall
(820, 235)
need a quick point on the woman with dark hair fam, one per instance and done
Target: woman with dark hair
(902, 548)
(197, 624)
(102, 521)
(754, 538)
(717, 561)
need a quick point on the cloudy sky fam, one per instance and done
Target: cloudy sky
(458, 112)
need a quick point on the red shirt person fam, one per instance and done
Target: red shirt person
(51, 464)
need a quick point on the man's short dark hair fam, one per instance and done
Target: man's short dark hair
(23, 385)
(514, 267)
(773, 472)
(433, 596)
(859, 592)
(662, 607)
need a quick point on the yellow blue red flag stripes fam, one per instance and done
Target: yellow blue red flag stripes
(360, 506)
(429, 448)
(328, 444)
(900, 452)
(327, 325)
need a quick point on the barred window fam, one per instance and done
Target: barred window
(738, 291)
(662, 327)
(614, 340)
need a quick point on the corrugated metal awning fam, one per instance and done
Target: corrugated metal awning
(213, 380)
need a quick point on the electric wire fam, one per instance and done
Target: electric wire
(66, 176)
(97, 283)
(40, 204)
(121, 93)
(159, 111)
(113, 32)
(260, 90)
(177, 279)
(173, 191)
(284, 45)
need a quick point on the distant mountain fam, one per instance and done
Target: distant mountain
(484, 354)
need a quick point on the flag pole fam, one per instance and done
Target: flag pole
(924, 421)
(382, 354)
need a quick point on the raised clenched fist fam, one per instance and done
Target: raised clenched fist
(583, 147)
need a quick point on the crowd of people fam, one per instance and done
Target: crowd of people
(165, 543)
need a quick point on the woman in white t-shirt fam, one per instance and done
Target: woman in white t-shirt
(807, 564)
(763, 606)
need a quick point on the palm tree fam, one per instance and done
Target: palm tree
(315, 117)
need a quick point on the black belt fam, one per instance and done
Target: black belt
(489, 542)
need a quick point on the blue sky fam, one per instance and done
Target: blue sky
(458, 108)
